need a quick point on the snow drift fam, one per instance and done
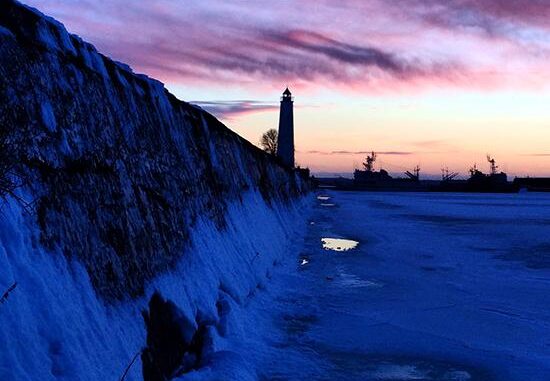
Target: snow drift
(127, 193)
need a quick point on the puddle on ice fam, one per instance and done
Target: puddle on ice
(323, 198)
(360, 367)
(353, 281)
(413, 372)
(398, 372)
(338, 244)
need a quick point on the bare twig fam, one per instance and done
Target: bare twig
(11, 174)
(130, 365)
(7, 293)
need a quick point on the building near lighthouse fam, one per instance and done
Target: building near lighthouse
(285, 141)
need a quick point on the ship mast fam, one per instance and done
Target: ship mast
(369, 162)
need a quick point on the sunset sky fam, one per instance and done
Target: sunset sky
(434, 83)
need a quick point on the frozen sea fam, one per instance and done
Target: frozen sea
(411, 286)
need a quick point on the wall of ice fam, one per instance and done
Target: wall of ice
(128, 191)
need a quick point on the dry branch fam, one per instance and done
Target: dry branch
(7, 293)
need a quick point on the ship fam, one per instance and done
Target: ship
(370, 179)
(493, 182)
(533, 184)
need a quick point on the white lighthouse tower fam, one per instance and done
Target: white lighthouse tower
(285, 142)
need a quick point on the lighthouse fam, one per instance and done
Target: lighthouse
(285, 141)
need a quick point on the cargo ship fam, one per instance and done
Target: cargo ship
(493, 182)
(369, 179)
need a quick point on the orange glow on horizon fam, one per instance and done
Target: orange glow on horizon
(433, 131)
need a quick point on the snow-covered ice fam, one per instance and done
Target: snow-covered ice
(53, 325)
(450, 287)
(441, 287)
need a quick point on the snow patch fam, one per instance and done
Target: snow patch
(6, 32)
(54, 325)
(48, 117)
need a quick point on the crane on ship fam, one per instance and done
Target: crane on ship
(446, 175)
(415, 174)
(492, 165)
(493, 168)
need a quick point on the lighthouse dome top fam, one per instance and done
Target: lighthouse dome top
(287, 96)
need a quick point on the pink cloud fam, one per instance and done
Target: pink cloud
(374, 46)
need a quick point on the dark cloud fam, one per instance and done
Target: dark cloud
(535, 12)
(284, 55)
(396, 153)
(225, 109)
(344, 53)
(279, 55)
(381, 42)
(497, 18)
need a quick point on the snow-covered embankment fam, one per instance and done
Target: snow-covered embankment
(132, 193)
